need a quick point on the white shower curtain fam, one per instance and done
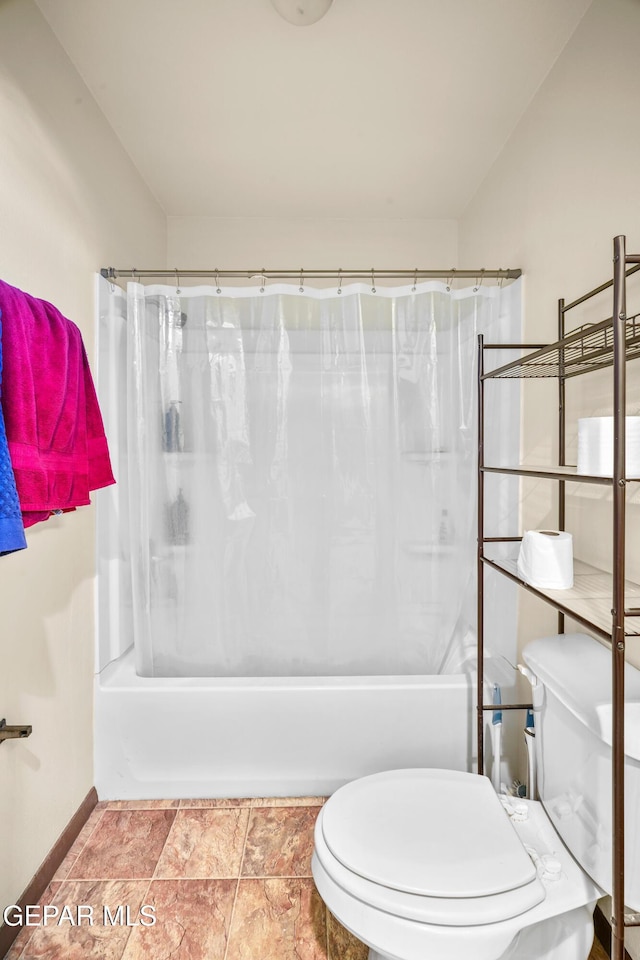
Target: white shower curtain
(297, 474)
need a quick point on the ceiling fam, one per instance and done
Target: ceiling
(384, 108)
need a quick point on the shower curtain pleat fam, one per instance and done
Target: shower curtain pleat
(301, 476)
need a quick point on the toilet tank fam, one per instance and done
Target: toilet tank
(572, 709)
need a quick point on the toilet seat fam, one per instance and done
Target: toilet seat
(434, 846)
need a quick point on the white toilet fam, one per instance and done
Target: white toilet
(434, 865)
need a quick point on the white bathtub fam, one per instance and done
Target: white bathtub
(203, 737)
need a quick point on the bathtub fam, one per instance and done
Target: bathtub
(252, 737)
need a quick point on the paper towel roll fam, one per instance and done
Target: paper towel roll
(546, 559)
(595, 446)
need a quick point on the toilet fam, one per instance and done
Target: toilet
(426, 864)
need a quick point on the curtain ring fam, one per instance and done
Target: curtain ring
(133, 274)
(177, 282)
(415, 281)
(264, 281)
(451, 279)
(500, 279)
(218, 290)
(301, 287)
(373, 281)
(340, 281)
(479, 281)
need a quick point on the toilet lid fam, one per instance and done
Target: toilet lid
(435, 833)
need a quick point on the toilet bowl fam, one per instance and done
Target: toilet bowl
(433, 865)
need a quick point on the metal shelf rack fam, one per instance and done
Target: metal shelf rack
(598, 600)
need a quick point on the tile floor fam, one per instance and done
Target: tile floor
(228, 879)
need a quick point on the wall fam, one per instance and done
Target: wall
(70, 202)
(208, 242)
(566, 181)
(564, 185)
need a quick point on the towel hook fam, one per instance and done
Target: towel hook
(14, 731)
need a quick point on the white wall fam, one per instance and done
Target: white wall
(70, 202)
(565, 183)
(209, 243)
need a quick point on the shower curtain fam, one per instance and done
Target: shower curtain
(297, 479)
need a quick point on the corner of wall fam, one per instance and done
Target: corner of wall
(70, 201)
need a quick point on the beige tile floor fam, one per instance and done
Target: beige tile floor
(228, 880)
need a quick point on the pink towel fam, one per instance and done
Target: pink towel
(54, 428)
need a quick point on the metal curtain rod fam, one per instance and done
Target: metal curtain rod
(113, 273)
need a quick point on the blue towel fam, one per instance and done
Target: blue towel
(12, 536)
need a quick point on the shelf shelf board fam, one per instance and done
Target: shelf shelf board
(588, 601)
(586, 349)
(554, 473)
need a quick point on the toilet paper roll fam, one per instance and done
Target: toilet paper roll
(546, 559)
(595, 446)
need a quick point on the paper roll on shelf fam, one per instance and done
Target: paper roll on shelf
(546, 559)
(595, 446)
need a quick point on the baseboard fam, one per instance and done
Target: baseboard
(49, 865)
(603, 931)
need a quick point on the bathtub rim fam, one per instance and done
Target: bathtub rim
(120, 674)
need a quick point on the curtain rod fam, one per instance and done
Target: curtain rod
(113, 273)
